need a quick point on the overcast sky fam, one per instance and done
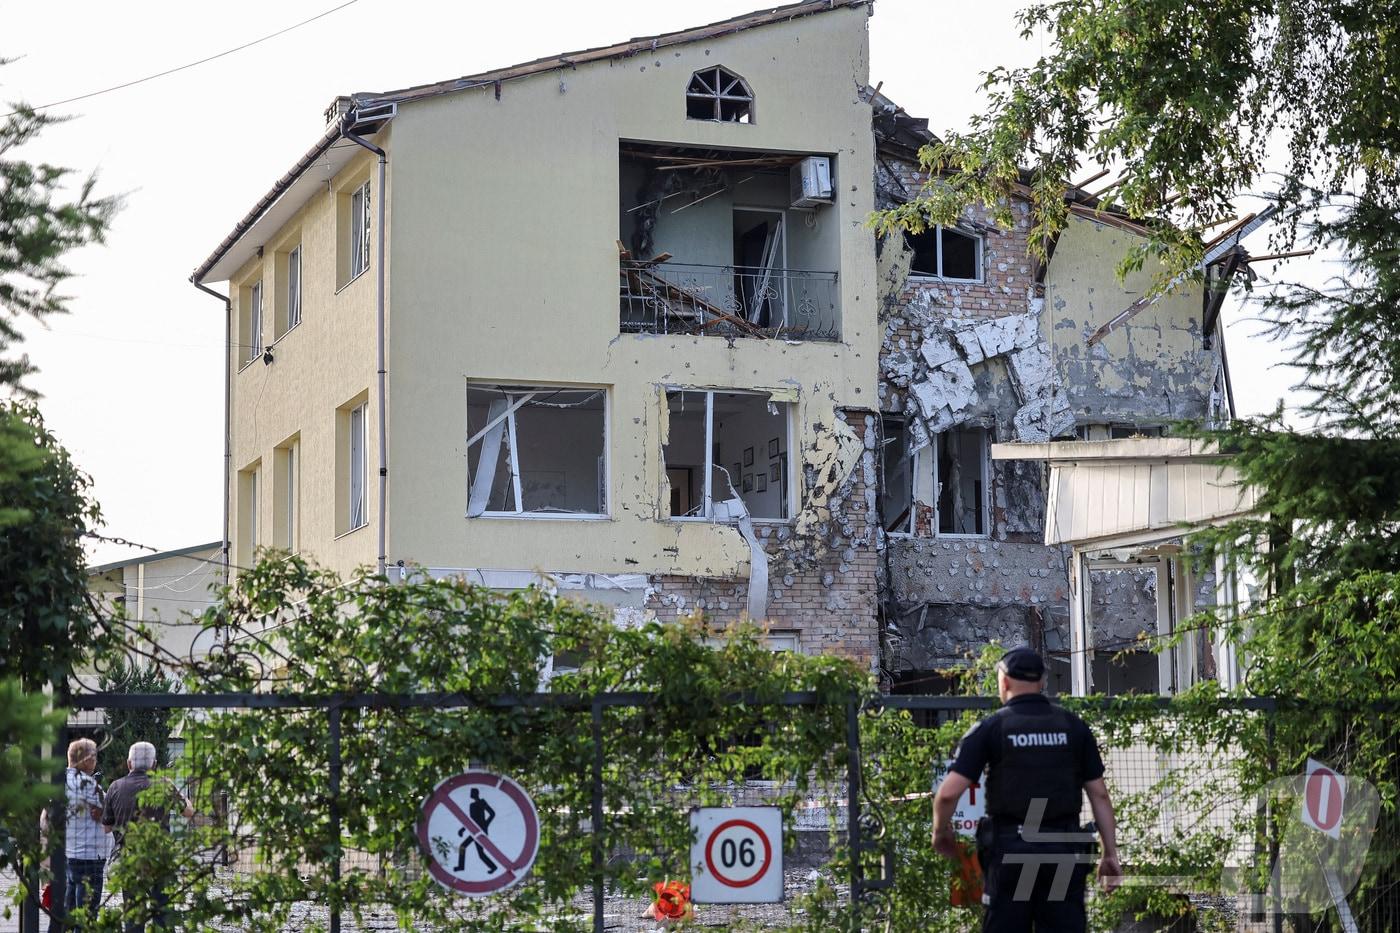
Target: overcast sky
(133, 379)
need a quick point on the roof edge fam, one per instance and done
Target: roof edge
(780, 14)
(148, 558)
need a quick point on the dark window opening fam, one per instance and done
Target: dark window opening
(959, 256)
(897, 491)
(948, 254)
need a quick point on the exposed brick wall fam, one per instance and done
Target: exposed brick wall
(824, 589)
(1007, 276)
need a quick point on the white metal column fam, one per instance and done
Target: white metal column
(1080, 610)
(1166, 682)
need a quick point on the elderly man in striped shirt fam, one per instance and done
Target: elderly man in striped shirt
(86, 843)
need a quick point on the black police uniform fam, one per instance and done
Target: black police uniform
(1031, 749)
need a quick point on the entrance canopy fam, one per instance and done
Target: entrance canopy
(1127, 504)
(1132, 490)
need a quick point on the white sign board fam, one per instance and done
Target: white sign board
(972, 806)
(480, 833)
(1324, 790)
(737, 857)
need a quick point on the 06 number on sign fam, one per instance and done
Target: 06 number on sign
(731, 855)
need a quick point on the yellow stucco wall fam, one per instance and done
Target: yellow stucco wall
(1153, 368)
(319, 365)
(505, 217)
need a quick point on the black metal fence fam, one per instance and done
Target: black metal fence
(1198, 818)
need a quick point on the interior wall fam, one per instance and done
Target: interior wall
(753, 428)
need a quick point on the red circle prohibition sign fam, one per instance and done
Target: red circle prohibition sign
(513, 870)
(1324, 797)
(763, 866)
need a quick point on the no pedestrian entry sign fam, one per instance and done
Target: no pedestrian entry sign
(1324, 791)
(737, 857)
(480, 832)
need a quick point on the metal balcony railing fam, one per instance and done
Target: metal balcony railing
(728, 301)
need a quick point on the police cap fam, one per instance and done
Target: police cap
(1022, 664)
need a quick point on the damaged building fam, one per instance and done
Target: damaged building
(615, 321)
(604, 320)
(994, 366)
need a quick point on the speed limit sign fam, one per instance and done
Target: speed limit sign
(737, 857)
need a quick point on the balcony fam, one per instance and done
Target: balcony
(663, 297)
(728, 243)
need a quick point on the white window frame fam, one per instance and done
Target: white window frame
(293, 288)
(255, 300)
(937, 230)
(517, 400)
(359, 230)
(357, 498)
(985, 504)
(709, 467)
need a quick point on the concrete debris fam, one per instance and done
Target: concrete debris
(937, 349)
(943, 385)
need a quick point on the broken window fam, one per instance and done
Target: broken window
(536, 450)
(718, 94)
(960, 476)
(723, 444)
(946, 253)
(897, 489)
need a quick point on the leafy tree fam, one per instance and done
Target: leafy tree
(46, 628)
(1192, 102)
(126, 726)
(26, 724)
(39, 226)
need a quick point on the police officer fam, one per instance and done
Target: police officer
(1039, 759)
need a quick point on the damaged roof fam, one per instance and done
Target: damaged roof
(285, 197)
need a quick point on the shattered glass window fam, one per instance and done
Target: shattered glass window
(536, 450)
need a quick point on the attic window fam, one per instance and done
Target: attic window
(946, 253)
(718, 94)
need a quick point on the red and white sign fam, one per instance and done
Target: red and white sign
(481, 833)
(1324, 791)
(972, 806)
(737, 857)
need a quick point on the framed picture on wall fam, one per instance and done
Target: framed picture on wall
(748, 456)
(773, 450)
(760, 482)
(775, 471)
(748, 482)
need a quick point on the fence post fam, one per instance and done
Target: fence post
(598, 872)
(334, 714)
(853, 840)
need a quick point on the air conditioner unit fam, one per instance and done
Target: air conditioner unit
(811, 182)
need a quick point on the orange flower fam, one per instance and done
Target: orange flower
(672, 901)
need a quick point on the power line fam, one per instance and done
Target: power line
(171, 71)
